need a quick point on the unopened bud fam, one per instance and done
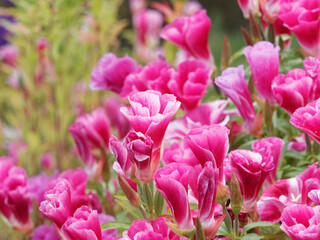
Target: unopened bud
(130, 193)
(236, 198)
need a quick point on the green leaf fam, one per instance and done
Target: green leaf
(115, 225)
(251, 236)
(258, 224)
(223, 230)
(127, 207)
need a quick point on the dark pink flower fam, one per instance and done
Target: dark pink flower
(58, 206)
(111, 72)
(263, 59)
(83, 225)
(172, 182)
(270, 147)
(251, 169)
(14, 197)
(301, 222)
(151, 114)
(312, 67)
(302, 18)
(47, 161)
(308, 119)
(8, 55)
(109, 234)
(233, 84)
(191, 34)
(292, 90)
(208, 148)
(189, 83)
(314, 195)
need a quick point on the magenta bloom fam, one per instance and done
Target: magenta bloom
(292, 90)
(207, 188)
(172, 182)
(145, 78)
(314, 195)
(191, 34)
(233, 84)
(301, 222)
(179, 153)
(249, 6)
(251, 169)
(312, 67)
(83, 225)
(157, 229)
(58, 206)
(9, 54)
(189, 83)
(308, 119)
(151, 114)
(263, 59)
(302, 18)
(45, 232)
(109, 234)
(141, 154)
(14, 198)
(111, 72)
(270, 147)
(208, 148)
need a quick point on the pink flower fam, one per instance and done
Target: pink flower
(143, 79)
(207, 188)
(251, 169)
(209, 149)
(191, 34)
(47, 161)
(233, 84)
(308, 119)
(83, 225)
(249, 6)
(58, 206)
(157, 229)
(14, 198)
(8, 55)
(298, 144)
(189, 83)
(263, 59)
(111, 72)
(151, 114)
(292, 90)
(270, 147)
(109, 234)
(172, 182)
(314, 195)
(141, 154)
(312, 67)
(301, 222)
(301, 17)
(191, 7)
(179, 153)
(45, 232)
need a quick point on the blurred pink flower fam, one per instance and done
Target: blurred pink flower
(109, 234)
(45, 232)
(249, 6)
(111, 72)
(14, 197)
(263, 59)
(191, 34)
(9, 54)
(292, 90)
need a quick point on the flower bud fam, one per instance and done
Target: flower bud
(236, 198)
(132, 195)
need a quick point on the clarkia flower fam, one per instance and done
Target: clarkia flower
(263, 59)
(308, 119)
(292, 90)
(45, 232)
(111, 72)
(151, 114)
(270, 147)
(172, 182)
(191, 34)
(209, 144)
(251, 169)
(233, 84)
(83, 225)
(312, 66)
(14, 198)
(58, 206)
(301, 222)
